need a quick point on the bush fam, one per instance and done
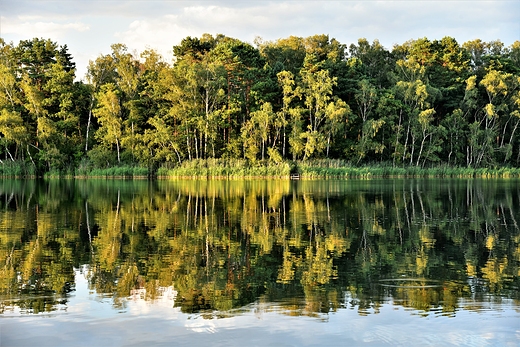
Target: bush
(226, 168)
(17, 169)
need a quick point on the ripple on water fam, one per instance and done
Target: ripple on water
(406, 282)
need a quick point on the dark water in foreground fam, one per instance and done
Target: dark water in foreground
(260, 263)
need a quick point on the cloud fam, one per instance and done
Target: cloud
(89, 27)
(391, 22)
(62, 9)
(31, 28)
(270, 20)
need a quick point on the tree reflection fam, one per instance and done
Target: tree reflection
(312, 246)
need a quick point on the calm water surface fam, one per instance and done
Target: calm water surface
(260, 263)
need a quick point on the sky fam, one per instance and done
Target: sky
(89, 27)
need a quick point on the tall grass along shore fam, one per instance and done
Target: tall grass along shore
(240, 168)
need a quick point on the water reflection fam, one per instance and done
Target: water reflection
(301, 248)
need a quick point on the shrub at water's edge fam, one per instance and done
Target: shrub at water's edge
(221, 168)
(17, 169)
(123, 171)
(242, 168)
(339, 169)
(320, 169)
(117, 171)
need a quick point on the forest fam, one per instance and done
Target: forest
(422, 103)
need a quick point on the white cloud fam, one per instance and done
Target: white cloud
(28, 29)
(89, 28)
(391, 22)
(160, 34)
(30, 18)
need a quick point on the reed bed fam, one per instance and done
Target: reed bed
(114, 172)
(17, 169)
(241, 168)
(314, 170)
(222, 168)
(323, 169)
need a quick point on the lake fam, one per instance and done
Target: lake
(381, 262)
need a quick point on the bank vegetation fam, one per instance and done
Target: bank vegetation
(301, 107)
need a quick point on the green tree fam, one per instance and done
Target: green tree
(376, 61)
(11, 122)
(108, 114)
(99, 72)
(255, 131)
(367, 99)
(287, 54)
(316, 89)
(417, 96)
(456, 137)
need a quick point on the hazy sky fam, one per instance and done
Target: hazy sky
(89, 27)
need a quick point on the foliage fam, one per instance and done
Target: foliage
(423, 103)
(219, 168)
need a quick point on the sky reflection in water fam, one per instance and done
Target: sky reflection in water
(90, 319)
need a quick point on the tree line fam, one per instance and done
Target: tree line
(421, 103)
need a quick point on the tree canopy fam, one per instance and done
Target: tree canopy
(423, 102)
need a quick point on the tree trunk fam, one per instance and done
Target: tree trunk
(118, 156)
(88, 123)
